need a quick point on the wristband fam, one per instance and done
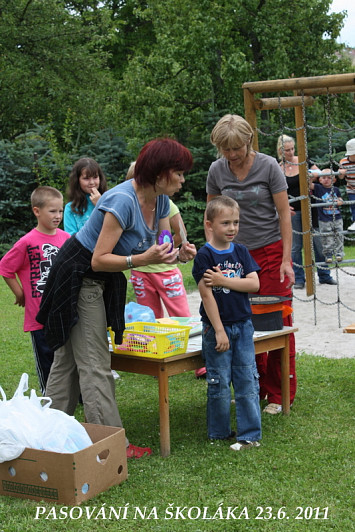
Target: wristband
(129, 261)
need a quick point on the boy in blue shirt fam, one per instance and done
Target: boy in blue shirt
(225, 272)
(330, 218)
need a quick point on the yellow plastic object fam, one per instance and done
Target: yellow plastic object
(154, 340)
(167, 321)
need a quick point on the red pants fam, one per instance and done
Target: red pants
(153, 288)
(269, 259)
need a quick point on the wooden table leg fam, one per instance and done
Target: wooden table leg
(285, 376)
(163, 380)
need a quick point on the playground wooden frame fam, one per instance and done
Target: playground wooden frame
(304, 90)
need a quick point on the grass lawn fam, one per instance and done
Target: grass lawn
(303, 471)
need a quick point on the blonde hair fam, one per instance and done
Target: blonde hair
(280, 144)
(232, 131)
(218, 204)
(41, 195)
(130, 171)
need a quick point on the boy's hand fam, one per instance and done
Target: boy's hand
(20, 300)
(222, 342)
(214, 278)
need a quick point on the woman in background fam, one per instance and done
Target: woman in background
(256, 182)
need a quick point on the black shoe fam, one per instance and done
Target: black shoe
(298, 286)
(230, 437)
(329, 281)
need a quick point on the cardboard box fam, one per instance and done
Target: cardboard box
(70, 478)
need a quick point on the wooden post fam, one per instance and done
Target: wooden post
(312, 86)
(250, 116)
(305, 214)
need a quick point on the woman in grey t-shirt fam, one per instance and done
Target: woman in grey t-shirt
(257, 183)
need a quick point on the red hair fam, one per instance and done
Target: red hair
(158, 157)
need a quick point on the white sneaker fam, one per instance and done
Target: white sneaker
(244, 444)
(273, 408)
(352, 227)
(115, 375)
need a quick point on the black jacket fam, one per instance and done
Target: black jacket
(58, 309)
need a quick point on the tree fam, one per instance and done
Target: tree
(204, 51)
(52, 63)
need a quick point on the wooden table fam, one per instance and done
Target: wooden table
(163, 368)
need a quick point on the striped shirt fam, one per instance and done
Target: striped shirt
(350, 174)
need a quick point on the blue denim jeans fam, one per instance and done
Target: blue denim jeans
(297, 245)
(351, 197)
(236, 366)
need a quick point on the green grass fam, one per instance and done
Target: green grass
(349, 252)
(306, 459)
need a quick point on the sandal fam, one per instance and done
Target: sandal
(273, 408)
(132, 451)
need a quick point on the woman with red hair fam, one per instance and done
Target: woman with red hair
(87, 290)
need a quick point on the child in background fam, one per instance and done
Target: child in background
(159, 283)
(26, 267)
(225, 272)
(330, 219)
(87, 183)
(347, 170)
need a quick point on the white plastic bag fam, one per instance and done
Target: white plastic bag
(29, 422)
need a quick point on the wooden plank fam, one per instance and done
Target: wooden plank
(284, 102)
(349, 329)
(276, 85)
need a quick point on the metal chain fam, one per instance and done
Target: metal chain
(332, 164)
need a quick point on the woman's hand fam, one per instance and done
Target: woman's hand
(286, 270)
(159, 254)
(187, 252)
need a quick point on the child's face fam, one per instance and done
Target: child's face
(326, 181)
(225, 225)
(351, 158)
(87, 183)
(49, 216)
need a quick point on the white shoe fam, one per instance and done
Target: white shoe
(352, 227)
(115, 375)
(244, 444)
(273, 408)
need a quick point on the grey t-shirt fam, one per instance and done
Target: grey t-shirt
(259, 222)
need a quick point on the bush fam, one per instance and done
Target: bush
(16, 184)
(35, 158)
